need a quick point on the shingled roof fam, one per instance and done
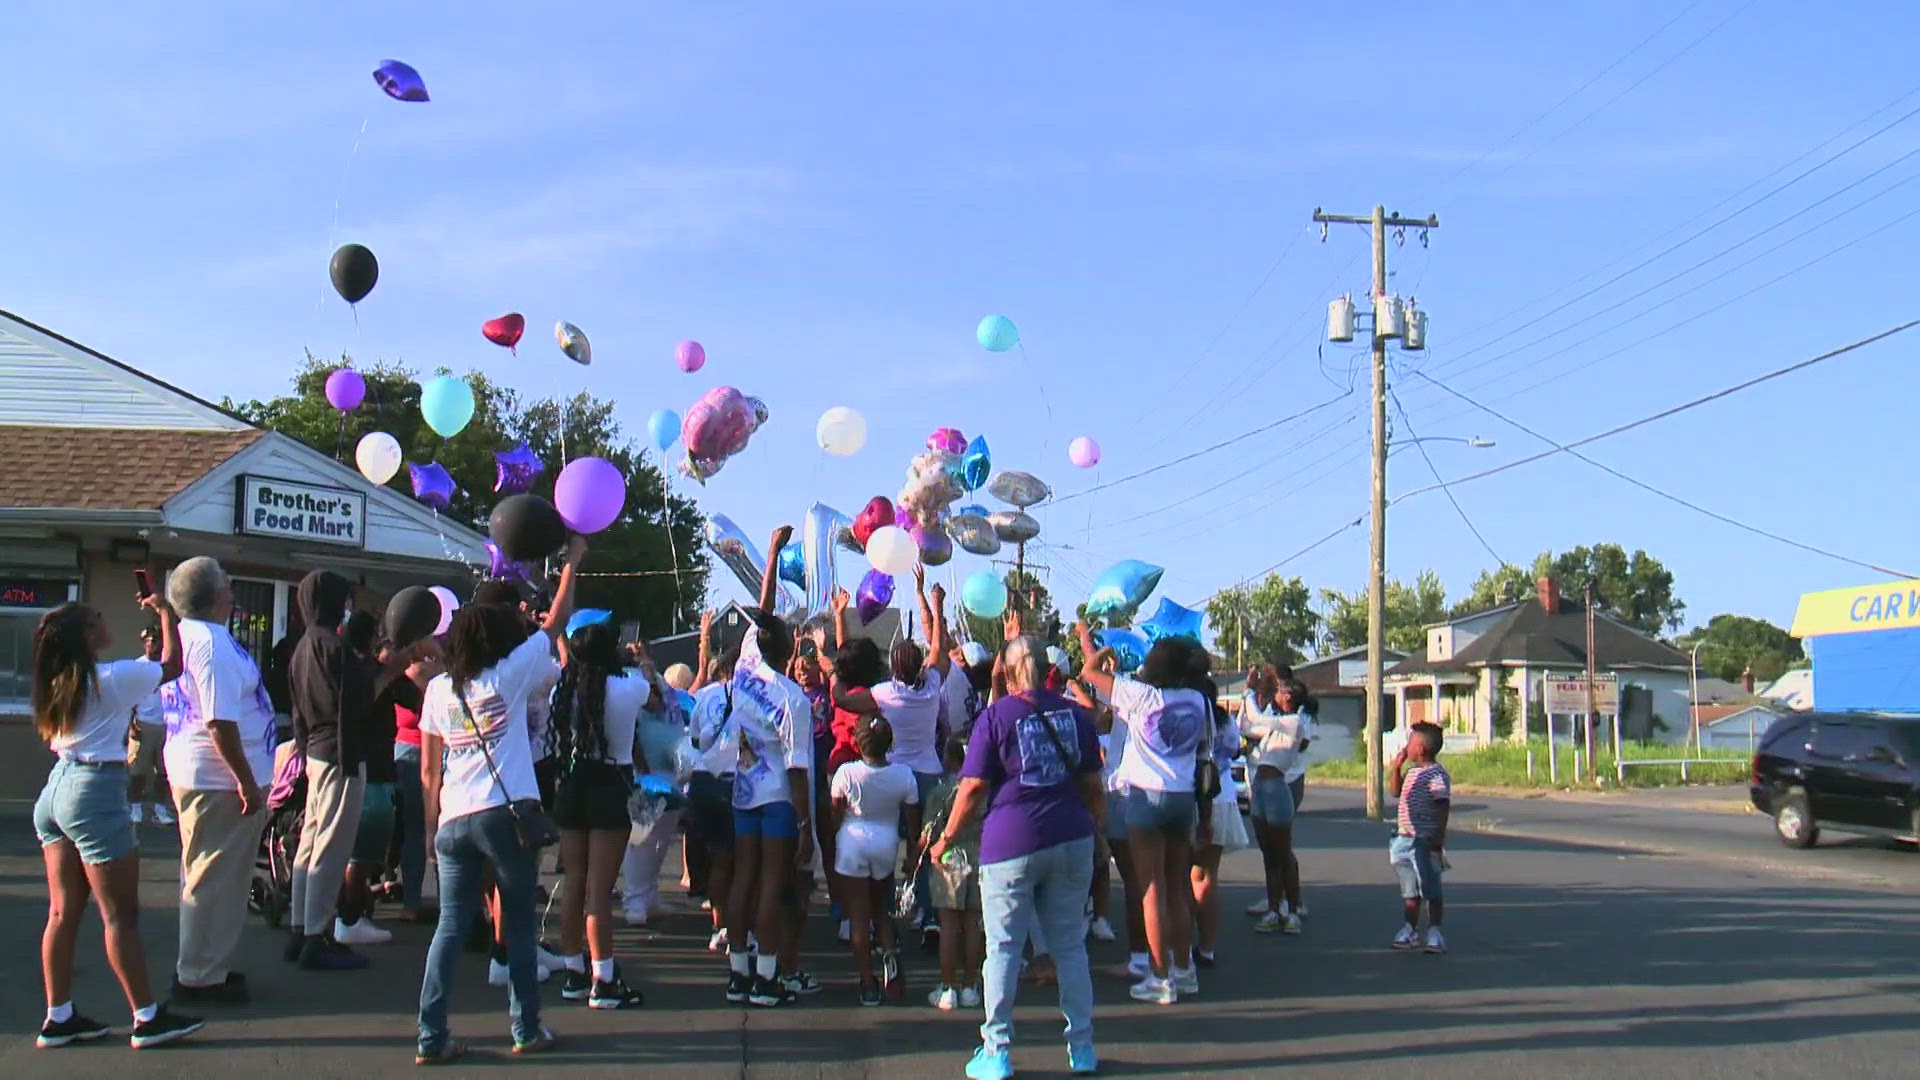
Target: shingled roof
(1529, 634)
(93, 468)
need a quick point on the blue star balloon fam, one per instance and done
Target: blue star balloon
(1129, 648)
(400, 81)
(976, 464)
(432, 484)
(1170, 620)
(793, 565)
(973, 508)
(518, 468)
(1121, 588)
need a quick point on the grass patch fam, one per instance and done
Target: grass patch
(1505, 765)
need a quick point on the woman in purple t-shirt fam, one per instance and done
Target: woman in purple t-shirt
(1034, 762)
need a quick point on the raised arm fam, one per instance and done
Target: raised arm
(171, 663)
(1092, 671)
(842, 630)
(770, 575)
(942, 633)
(706, 650)
(562, 609)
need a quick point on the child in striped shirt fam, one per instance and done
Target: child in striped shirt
(1425, 793)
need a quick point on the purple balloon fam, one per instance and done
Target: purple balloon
(517, 469)
(432, 484)
(589, 494)
(1083, 452)
(873, 596)
(346, 389)
(936, 548)
(503, 567)
(400, 81)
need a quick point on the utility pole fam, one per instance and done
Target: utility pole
(1593, 772)
(1379, 222)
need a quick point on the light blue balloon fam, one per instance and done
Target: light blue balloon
(663, 427)
(586, 617)
(1121, 588)
(1129, 648)
(446, 404)
(997, 333)
(976, 464)
(984, 594)
(975, 509)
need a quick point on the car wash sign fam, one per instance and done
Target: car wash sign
(291, 510)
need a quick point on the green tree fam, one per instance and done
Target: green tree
(1410, 610)
(1636, 589)
(1269, 621)
(1731, 645)
(637, 543)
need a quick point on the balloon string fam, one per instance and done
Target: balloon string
(339, 193)
(673, 546)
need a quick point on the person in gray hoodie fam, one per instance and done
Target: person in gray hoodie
(331, 692)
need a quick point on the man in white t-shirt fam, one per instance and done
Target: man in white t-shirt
(216, 763)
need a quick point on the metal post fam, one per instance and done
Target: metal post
(1592, 708)
(1693, 695)
(1378, 223)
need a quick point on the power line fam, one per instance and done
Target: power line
(1198, 453)
(1435, 470)
(1643, 485)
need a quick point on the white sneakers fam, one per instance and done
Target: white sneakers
(138, 811)
(1259, 908)
(969, 997)
(1290, 923)
(498, 974)
(1408, 939)
(718, 942)
(1185, 980)
(1157, 991)
(1268, 922)
(1138, 966)
(1436, 942)
(363, 932)
(944, 998)
(1099, 929)
(845, 932)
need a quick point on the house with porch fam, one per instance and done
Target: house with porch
(1481, 674)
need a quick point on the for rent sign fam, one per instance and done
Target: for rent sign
(1567, 696)
(291, 510)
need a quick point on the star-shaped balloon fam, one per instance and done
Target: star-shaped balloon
(432, 484)
(518, 468)
(503, 567)
(1172, 620)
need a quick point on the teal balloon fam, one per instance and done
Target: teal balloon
(1121, 588)
(446, 404)
(983, 594)
(663, 427)
(976, 464)
(997, 333)
(793, 565)
(1129, 648)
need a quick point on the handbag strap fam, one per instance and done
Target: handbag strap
(474, 726)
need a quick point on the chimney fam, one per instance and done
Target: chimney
(1549, 594)
(1746, 680)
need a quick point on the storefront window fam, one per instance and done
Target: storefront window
(252, 622)
(22, 601)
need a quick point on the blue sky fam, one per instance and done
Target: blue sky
(830, 201)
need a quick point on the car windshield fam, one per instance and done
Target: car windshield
(1906, 739)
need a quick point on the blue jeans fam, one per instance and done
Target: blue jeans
(410, 823)
(465, 845)
(1051, 885)
(923, 909)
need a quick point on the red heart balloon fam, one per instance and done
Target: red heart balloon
(505, 330)
(878, 513)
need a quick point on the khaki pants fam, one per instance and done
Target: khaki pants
(217, 850)
(326, 843)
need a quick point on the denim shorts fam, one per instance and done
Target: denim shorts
(1168, 812)
(1117, 814)
(1271, 798)
(86, 804)
(1418, 870)
(775, 821)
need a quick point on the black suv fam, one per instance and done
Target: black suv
(1851, 772)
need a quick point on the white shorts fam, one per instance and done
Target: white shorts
(867, 849)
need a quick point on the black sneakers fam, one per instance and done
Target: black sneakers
(737, 986)
(768, 993)
(614, 994)
(577, 986)
(165, 1027)
(231, 992)
(75, 1028)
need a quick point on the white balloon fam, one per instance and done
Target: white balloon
(841, 431)
(378, 456)
(891, 550)
(449, 604)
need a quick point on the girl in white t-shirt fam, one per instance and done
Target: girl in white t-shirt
(871, 798)
(596, 710)
(82, 707)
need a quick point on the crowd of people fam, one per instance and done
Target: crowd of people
(1000, 789)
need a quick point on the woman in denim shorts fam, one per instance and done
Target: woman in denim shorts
(1168, 722)
(82, 708)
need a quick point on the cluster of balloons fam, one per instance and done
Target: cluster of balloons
(718, 427)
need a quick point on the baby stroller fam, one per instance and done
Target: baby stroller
(271, 894)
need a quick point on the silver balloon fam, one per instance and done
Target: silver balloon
(741, 557)
(1020, 489)
(1014, 526)
(823, 533)
(973, 534)
(573, 342)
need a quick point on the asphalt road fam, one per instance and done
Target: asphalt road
(1569, 960)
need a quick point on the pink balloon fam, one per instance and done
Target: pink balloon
(720, 423)
(589, 493)
(947, 440)
(1083, 452)
(691, 356)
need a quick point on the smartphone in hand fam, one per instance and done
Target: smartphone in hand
(142, 583)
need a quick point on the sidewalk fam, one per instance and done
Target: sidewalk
(1707, 798)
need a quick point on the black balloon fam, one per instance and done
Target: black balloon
(412, 614)
(526, 528)
(354, 270)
